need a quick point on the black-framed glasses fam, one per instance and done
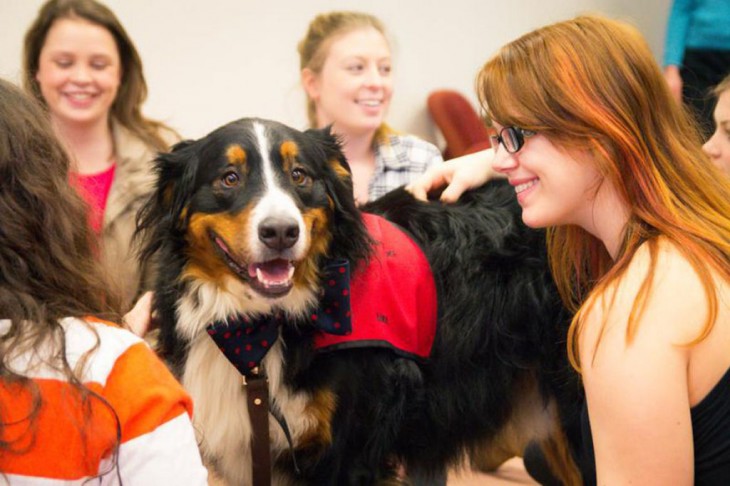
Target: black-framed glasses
(512, 138)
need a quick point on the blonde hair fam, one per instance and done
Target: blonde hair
(314, 47)
(592, 84)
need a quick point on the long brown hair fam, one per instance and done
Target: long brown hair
(47, 268)
(322, 29)
(592, 84)
(127, 106)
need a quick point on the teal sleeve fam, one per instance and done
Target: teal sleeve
(676, 36)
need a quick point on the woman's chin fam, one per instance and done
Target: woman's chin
(533, 219)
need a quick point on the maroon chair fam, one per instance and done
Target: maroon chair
(458, 121)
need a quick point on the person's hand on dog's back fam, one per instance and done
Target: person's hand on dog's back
(458, 175)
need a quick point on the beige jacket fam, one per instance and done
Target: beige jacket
(133, 182)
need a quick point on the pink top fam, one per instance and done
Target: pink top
(94, 188)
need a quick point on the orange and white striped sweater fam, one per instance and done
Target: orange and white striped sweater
(67, 445)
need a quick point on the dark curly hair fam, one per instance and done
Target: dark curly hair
(47, 266)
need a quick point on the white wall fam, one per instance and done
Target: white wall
(210, 62)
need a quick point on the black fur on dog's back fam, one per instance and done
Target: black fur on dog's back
(500, 317)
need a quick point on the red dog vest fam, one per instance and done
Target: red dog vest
(393, 299)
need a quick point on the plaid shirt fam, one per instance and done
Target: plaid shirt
(399, 160)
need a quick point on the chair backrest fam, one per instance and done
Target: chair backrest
(459, 123)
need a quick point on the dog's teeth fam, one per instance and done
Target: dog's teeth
(270, 283)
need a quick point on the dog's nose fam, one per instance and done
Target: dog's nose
(279, 233)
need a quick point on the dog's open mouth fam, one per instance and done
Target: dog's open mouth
(272, 278)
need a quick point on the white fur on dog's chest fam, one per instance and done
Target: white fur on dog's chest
(220, 409)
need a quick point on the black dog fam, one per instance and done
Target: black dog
(253, 227)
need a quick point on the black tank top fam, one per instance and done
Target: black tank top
(710, 432)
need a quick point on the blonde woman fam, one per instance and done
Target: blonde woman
(346, 71)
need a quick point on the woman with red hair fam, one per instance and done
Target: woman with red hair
(638, 225)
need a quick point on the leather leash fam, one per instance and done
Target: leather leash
(257, 397)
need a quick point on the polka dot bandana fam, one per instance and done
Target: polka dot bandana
(245, 340)
(334, 315)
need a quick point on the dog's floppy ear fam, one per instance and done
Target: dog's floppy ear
(176, 178)
(165, 207)
(338, 174)
(332, 145)
(349, 233)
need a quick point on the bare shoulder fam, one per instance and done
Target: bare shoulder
(665, 292)
(660, 303)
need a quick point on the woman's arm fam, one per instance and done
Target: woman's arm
(638, 392)
(458, 175)
(158, 442)
(674, 44)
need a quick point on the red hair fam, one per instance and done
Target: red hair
(592, 84)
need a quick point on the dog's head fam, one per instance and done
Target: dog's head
(254, 207)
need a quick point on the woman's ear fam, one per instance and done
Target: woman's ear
(310, 83)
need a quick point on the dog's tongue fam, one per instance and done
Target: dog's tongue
(273, 273)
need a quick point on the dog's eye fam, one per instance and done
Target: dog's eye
(230, 179)
(299, 176)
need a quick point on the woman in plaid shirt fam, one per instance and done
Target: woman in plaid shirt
(345, 65)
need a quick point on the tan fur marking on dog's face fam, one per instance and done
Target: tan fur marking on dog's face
(205, 261)
(236, 154)
(289, 149)
(317, 224)
(321, 408)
